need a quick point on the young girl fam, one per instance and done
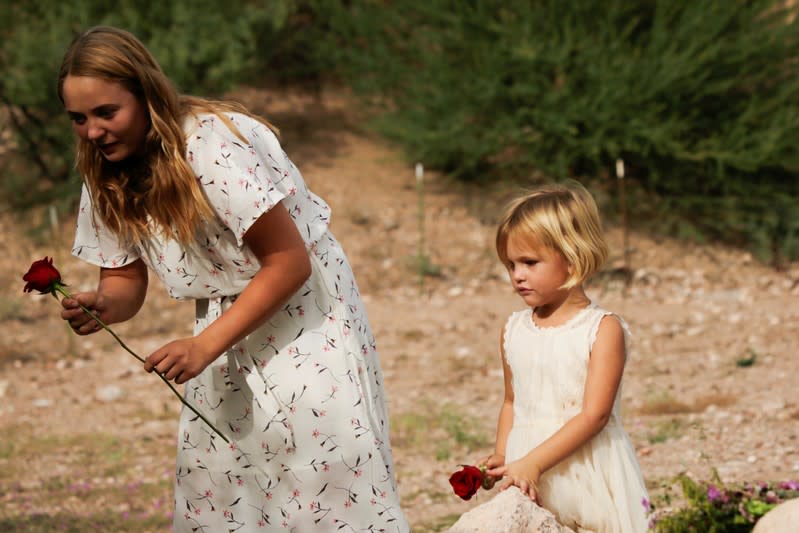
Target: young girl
(559, 435)
(282, 359)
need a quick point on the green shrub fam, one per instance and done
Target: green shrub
(700, 99)
(718, 508)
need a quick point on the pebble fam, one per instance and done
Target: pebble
(454, 292)
(462, 352)
(109, 393)
(42, 402)
(3, 388)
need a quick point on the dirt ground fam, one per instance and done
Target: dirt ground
(88, 438)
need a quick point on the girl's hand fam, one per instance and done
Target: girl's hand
(78, 320)
(179, 360)
(520, 474)
(494, 460)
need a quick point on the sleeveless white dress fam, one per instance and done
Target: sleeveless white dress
(599, 488)
(301, 398)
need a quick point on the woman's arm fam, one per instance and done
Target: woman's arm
(119, 296)
(605, 368)
(276, 242)
(285, 266)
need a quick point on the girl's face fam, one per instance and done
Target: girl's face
(537, 272)
(106, 114)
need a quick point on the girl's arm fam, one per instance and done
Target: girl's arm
(119, 296)
(605, 368)
(276, 242)
(505, 421)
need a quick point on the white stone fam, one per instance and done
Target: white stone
(784, 518)
(508, 512)
(462, 352)
(109, 393)
(454, 292)
(42, 402)
(694, 331)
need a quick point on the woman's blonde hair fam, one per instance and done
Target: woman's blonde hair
(162, 194)
(561, 217)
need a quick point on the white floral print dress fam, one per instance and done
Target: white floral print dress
(302, 397)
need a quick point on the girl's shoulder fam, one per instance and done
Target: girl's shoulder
(514, 320)
(614, 320)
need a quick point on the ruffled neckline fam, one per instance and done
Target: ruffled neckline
(574, 320)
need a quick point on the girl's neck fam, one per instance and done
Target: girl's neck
(560, 311)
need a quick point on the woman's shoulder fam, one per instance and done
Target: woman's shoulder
(226, 126)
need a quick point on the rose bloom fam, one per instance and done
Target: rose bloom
(465, 482)
(42, 276)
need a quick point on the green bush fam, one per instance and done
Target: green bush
(205, 46)
(717, 508)
(700, 99)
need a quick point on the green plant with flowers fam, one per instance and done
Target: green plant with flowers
(45, 278)
(715, 507)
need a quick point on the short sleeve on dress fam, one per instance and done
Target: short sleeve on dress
(238, 177)
(95, 243)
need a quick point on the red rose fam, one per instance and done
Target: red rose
(42, 276)
(466, 481)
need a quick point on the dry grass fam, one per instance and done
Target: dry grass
(666, 404)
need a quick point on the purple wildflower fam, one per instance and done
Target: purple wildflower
(790, 485)
(713, 494)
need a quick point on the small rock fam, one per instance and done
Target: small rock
(781, 519)
(462, 352)
(3, 388)
(454, 292)
(42, 402)
(109, 393)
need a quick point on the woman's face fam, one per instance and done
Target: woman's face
(106, 114)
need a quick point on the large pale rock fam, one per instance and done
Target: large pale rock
(784, 518)
(509, 511)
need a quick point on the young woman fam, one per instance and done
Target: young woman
(282, 359)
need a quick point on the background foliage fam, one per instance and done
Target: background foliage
(205, 46)
(700, 99)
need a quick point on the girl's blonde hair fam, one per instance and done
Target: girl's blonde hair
(561, 217)
(162, 194)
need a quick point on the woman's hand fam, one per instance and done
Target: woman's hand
(522, 474)
(80, 322)
(179, 360)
